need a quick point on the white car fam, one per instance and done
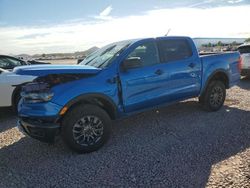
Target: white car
(10, 87)
(244, 50)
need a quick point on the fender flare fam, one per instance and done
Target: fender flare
(219, 71)
(112, 111)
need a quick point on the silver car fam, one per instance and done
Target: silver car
(244, 50)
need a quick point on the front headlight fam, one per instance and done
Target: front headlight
(37, 97)
(36, 93)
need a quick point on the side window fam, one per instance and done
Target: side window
(2, 63)
(174, 49)
(5, 63)
(14, 62)
(9, 63)
(147, 53)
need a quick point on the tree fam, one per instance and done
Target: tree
(247, 40)
(234, 43)
(209, 44)
(219, 43)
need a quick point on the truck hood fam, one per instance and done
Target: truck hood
(43, 70)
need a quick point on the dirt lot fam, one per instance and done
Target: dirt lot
(177, 146)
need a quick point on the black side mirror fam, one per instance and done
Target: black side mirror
(80, 60)
(131, 63)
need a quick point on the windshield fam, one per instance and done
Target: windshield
(244, 49)
(104, 56)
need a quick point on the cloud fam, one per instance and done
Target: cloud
(235, 1)
(105, 14)
(201, 3)
(33, 36)
(106, 11)
(75, 36)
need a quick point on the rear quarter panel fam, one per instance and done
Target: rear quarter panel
(227, 63)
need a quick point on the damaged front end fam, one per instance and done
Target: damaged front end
(40, 89)
(38, 115)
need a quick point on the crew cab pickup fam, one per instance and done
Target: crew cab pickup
(79, 102)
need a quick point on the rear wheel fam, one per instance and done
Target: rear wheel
(214, 96)
(86, 128)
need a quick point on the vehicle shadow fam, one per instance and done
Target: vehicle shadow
(7, 118)
(175, 146)
(244, 83)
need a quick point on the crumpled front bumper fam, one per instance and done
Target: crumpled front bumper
(39, 129)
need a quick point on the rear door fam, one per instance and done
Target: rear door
(179, 59)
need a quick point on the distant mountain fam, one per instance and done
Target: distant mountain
(75, 55)
(86, 52)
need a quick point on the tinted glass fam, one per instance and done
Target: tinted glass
(9, 63)
(147, 53)
(174, 49)
(244, 49)
(104, 56)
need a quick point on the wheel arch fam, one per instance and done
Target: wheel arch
(220, 75)
(98, 99)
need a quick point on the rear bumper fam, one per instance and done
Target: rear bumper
(245, 72)
(39, 129)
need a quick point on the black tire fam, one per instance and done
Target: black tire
(16, 100)
(86, 128)
(214, 96)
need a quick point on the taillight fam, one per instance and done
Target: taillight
(240, 63)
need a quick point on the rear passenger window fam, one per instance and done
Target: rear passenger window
(174, 49)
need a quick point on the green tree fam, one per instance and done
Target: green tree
(209, 44)
(247, 40)
(234, 43)
(219, 43)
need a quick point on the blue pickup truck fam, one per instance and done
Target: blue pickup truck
(79, 102)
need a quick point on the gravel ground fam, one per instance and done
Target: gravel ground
(176, 146)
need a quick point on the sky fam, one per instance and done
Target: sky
(49, 26)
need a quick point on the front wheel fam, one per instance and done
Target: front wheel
(86, 128)
(214, 96)
(17, 98)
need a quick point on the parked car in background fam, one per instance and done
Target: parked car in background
(120, 79)
(10, 88)
(10, 83)
(244, 50)
(9, 62)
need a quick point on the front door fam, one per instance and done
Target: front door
(140, 85)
